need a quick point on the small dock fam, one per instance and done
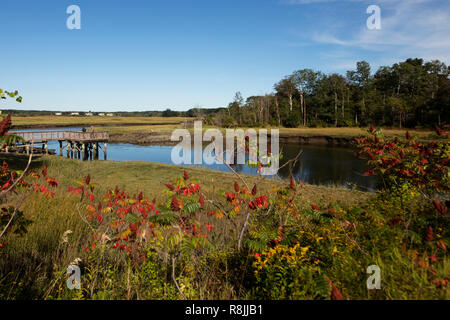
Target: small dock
(76, 144)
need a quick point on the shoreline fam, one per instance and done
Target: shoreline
(160, 133)
(161, 138)
(81, 125)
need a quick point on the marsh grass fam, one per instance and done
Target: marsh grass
(82, 120)
(31, 265)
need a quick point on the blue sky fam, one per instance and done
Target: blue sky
(151, 55)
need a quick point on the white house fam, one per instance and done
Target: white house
(58, 113)
(89, 114)
(75, 114)
(101, 114)
(110, 115)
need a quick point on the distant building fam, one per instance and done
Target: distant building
(58, 113)
(75, 114)
(109, 114)
(89, 114)
(101, 114)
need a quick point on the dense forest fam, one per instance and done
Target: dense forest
(411, 94)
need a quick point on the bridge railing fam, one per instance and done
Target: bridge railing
(64, 135)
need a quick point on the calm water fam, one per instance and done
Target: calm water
(317, 165)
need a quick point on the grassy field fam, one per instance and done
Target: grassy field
(165, 125)
(338, 233)
(349, 132)
(38, 257)
(305, 132)
(75, 120)
(151, 177)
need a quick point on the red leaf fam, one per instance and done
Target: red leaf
(175, 205)
(430, 235)
(335, 293)
(254, 190)
(292, 185)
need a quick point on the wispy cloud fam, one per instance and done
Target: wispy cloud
(413, 28)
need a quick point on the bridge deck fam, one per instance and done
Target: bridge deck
(66, 135)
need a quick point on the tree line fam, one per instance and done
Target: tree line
(412, 93)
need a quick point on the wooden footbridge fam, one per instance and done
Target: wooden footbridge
(77, 144)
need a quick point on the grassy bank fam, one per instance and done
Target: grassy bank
(165, 125)
(31, 265)
(51, 121)
(328, 233)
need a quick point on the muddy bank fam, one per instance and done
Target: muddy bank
(141, 138)
(164, 138)
(317, 140)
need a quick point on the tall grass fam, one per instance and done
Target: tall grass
(32, 265)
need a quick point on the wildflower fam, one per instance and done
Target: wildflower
(429, 235)
(185, 175)
(175, 205)
(64, 238)
(236, 187)
(439, 207)
(209, 227)
(76, 261)
(201, 201)
(170, 187)
(314, 207)
(254, 190)
(230, 196)
(292, 185)
(335, 293)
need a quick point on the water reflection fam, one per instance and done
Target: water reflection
(317, 165)
(321, 165)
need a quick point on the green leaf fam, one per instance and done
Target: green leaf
(165, 219)
(132, 218)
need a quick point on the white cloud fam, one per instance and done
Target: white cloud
(415, 27)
